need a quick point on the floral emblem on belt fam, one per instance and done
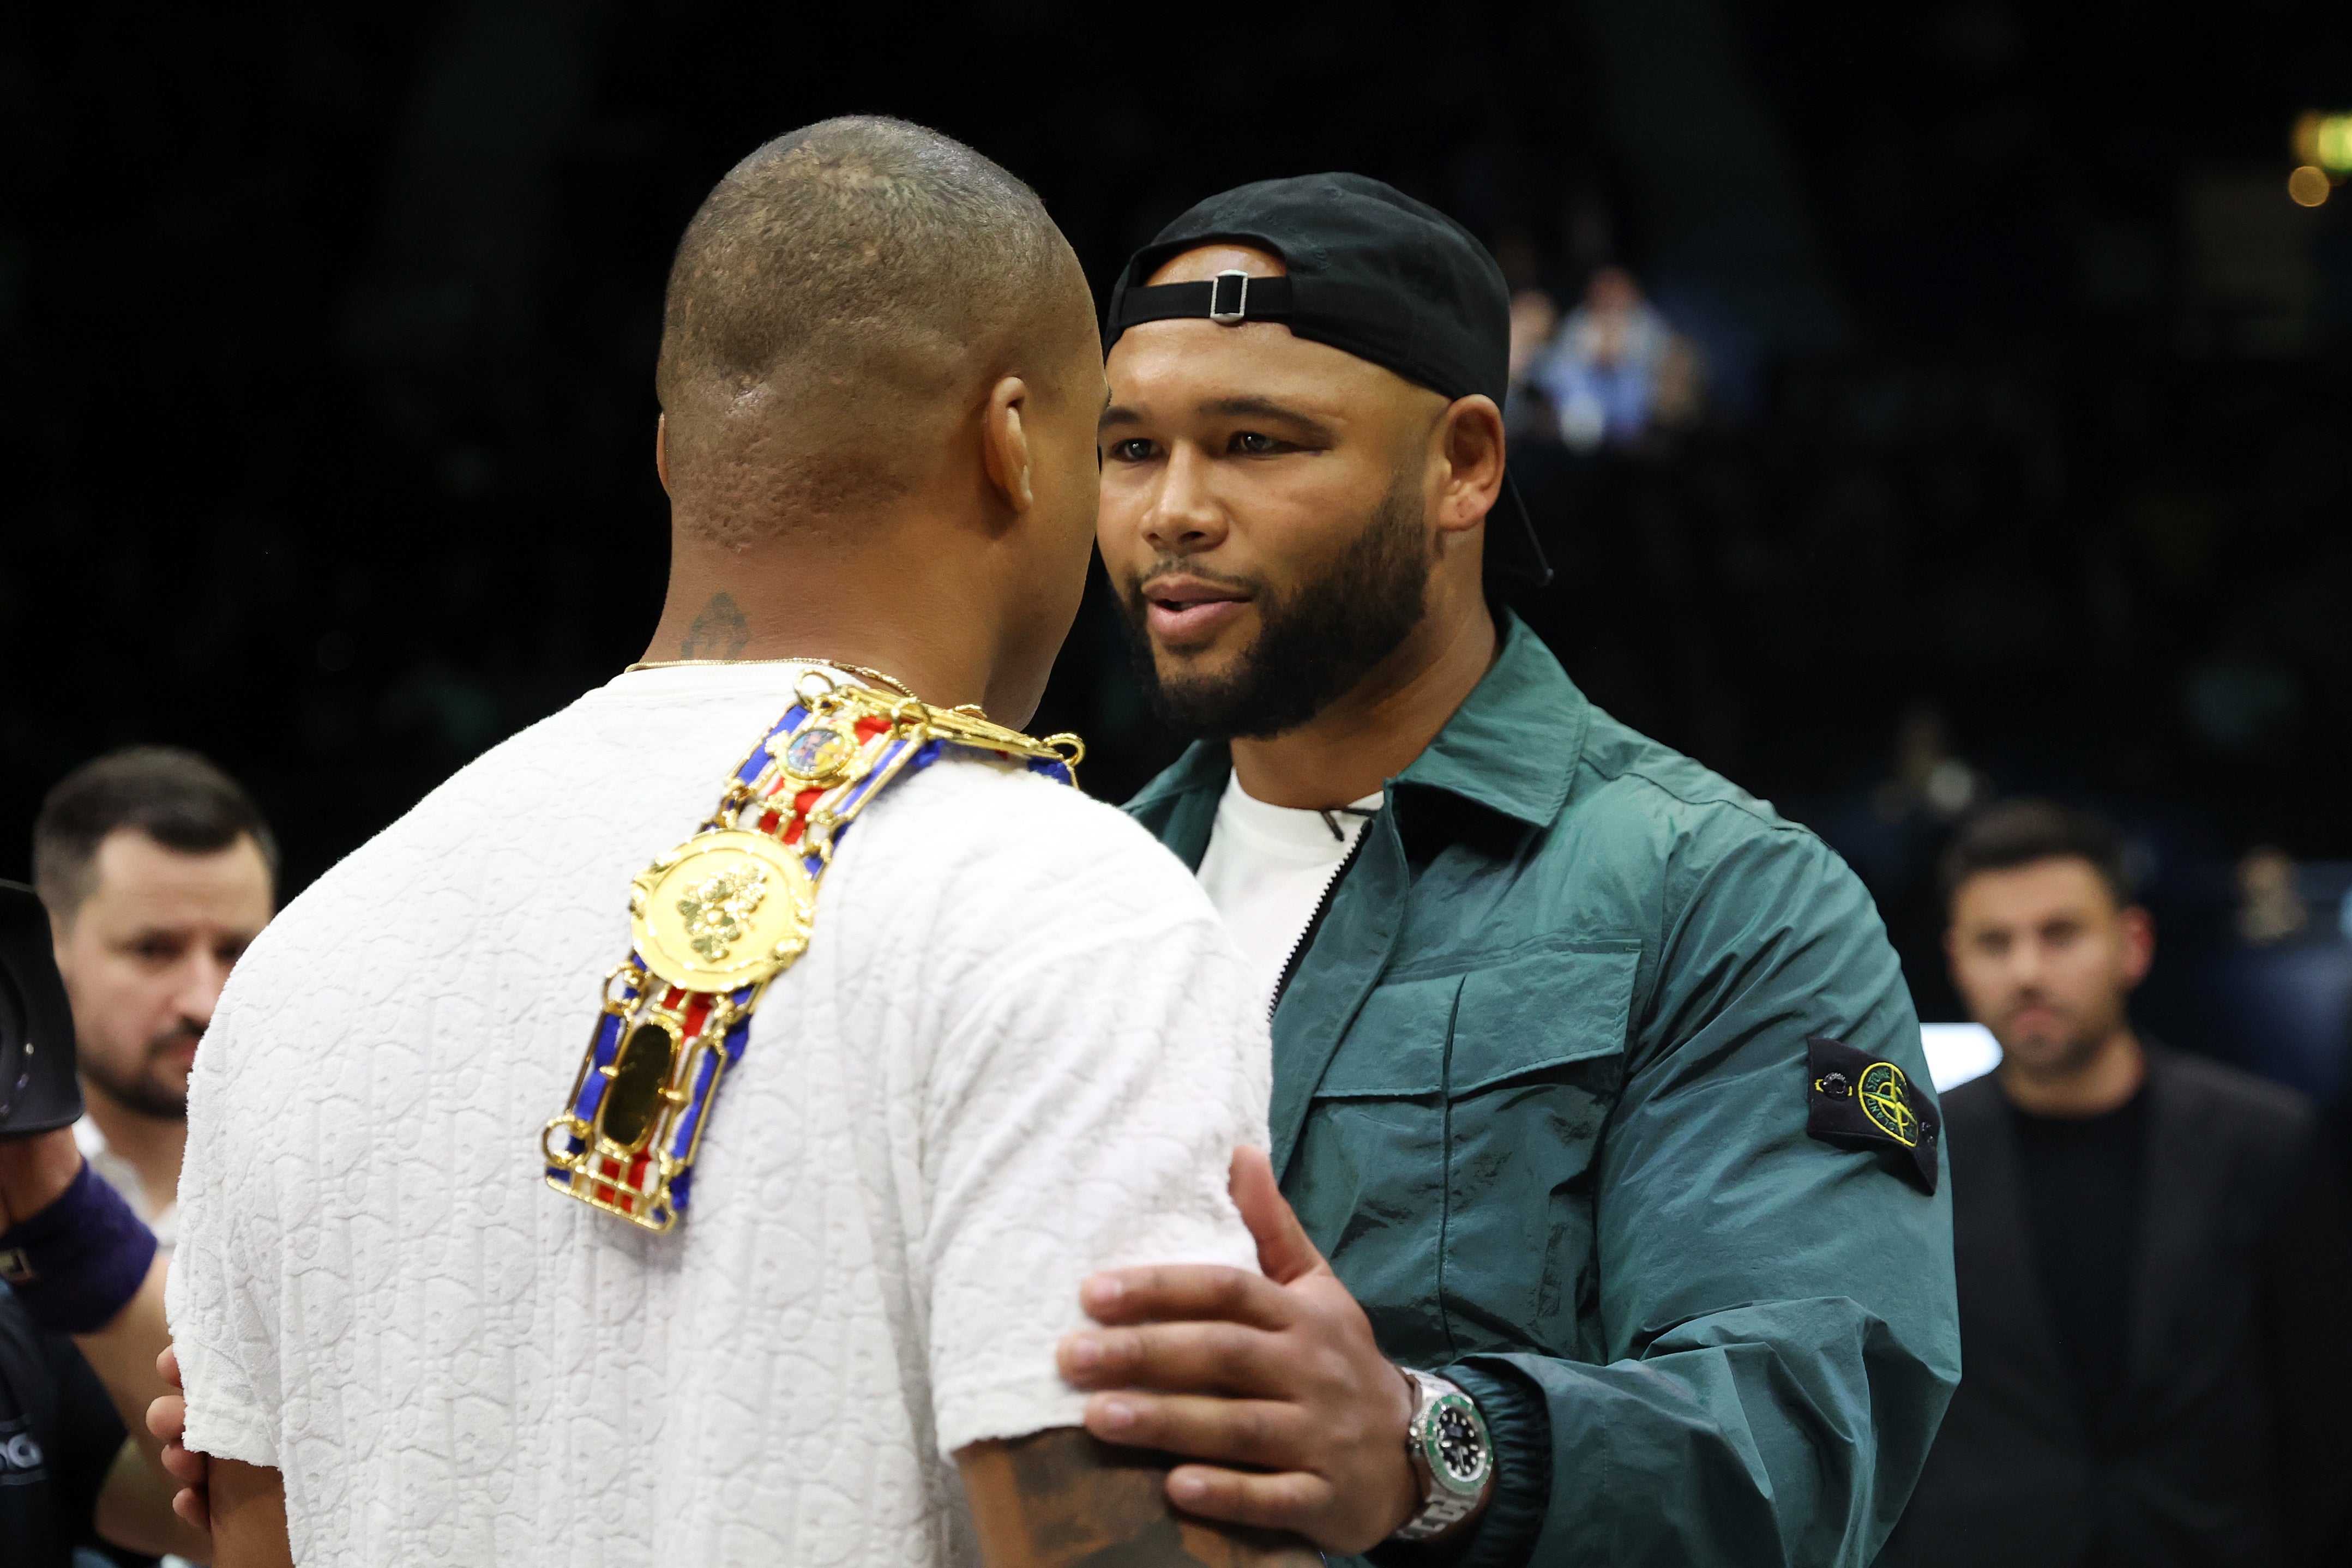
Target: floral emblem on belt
(715, 909)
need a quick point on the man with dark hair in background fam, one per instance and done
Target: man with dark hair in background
(158, 871)
(2150, 1246)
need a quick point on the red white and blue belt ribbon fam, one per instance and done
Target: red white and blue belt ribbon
(726, 911)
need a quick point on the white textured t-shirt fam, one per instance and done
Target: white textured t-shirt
(1266, 868)
(1019, 1049)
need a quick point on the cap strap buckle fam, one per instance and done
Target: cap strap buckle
(1233, 286)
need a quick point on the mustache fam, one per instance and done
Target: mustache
(187, 1031)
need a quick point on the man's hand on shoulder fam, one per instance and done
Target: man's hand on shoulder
(1276, 1373)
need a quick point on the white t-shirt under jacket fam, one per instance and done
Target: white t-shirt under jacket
(1019, 1049)
(1267, 868)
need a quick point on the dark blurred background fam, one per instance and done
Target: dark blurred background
(1999, 440)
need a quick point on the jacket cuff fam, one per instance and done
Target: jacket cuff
(1519, 1424)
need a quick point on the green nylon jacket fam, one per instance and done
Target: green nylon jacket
(1540, 1095)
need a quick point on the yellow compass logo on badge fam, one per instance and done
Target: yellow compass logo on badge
(715, 909)
(1885, 1099)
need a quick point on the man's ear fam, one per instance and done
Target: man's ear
(661, 450)
(1470, 438)
(1005, 443)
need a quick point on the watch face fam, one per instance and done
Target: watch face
(1453, 1439)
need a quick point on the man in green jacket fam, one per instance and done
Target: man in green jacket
(1595, 1080)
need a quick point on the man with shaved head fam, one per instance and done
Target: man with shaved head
(1595, 1080)
(907, 1039)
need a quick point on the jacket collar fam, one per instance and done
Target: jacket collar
(1512, 747)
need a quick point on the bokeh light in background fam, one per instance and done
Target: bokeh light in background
(2324, 144)
(2326, 141)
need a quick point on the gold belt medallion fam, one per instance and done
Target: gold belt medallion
(717, 918)
(723, 910)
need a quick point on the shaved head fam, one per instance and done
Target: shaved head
(843, 297)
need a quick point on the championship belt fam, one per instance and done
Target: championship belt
(717, 918)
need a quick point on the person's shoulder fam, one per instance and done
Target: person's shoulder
(1629, 775)
(537, 762)
(985, 878)
(995, 859)
(1031, 832)
(2259, 1108)
(1638, 800)
(389, 882)
(1972, 1105)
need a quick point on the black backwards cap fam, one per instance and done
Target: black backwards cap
(1373, 273)
(38, 1091)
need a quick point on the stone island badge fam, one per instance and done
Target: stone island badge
(1857, 1102)
(717, 918)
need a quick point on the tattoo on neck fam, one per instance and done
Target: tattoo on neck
(719, 632)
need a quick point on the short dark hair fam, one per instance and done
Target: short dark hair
(838, 278)
(173, 795)
(2019, 833)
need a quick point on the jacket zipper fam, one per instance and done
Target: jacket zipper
(1314, 921)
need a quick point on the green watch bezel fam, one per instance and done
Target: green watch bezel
(1429, 1438)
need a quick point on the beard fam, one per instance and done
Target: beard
(144, 1088)
(2068, 1044)
(1315, 644)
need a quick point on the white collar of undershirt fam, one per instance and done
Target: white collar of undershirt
(1287, 833)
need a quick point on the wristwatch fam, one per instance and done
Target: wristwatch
(1447, 1440)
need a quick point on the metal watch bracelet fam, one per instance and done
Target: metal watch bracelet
(1452, 1455)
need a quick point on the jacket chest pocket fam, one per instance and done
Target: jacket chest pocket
(1445, 1166)
(1537, 1053)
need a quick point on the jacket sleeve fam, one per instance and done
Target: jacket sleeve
(1778, 1315)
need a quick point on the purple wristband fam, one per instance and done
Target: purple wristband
(77, 1263)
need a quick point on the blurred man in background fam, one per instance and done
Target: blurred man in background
(1617, 368)
(1526, 414)
(158, 871)
(2152, 1259)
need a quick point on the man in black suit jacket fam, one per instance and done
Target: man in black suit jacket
(2154, 1270)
